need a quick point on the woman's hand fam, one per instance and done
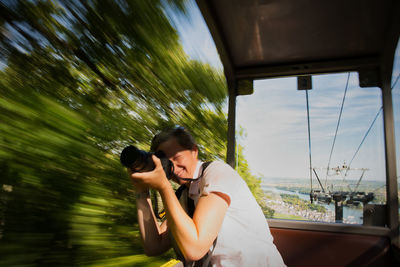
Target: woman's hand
(138, 186)
(155, 179)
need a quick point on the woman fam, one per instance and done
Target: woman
(227, 223)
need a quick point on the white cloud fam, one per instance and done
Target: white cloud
(276, 124)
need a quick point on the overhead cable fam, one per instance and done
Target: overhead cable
(369, 129)
(397, 79)
(337, 127)
(309, 140)
(365, 136)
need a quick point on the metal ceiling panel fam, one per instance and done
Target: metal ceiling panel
(273, 38)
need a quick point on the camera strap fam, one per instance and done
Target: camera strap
(205, 261)
(190, 203)
(204, 166)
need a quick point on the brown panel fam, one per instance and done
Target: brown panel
(281, 31)
(314, 248)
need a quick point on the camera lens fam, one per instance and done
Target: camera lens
(141, 161)
(136, 159)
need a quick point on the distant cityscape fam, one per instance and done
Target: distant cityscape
(290, 199)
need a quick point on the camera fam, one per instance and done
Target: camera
(140, 161)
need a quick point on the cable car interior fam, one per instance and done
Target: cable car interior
(264, 39)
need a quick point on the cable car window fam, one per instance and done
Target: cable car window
(320, 152)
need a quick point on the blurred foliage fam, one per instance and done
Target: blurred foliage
(79, 81)
(252, 181)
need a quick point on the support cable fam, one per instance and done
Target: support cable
(337, 127)
(369, 129)
(359, 180)
(397, 79)
(319, 181)
(365, 136)
(309, 145)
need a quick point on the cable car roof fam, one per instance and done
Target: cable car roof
(274, 38)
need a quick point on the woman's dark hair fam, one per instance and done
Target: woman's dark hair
(184, 138)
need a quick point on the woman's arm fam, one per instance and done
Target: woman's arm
(154, 236)
(193, 236)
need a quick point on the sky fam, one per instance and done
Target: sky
(276, 136)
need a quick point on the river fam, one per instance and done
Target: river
(350, 215)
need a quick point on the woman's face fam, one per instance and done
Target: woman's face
(184, 160)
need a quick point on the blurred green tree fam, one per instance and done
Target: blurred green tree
(79, 81)
(82, 79)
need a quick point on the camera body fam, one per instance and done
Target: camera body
(141, 161)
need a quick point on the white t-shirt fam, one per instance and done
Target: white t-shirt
(244, 238)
